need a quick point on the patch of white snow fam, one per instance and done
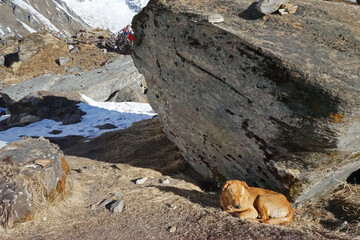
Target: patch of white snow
(121, 115)
(31, 30)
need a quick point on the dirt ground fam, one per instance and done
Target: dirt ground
(111, 163)
(88, 57)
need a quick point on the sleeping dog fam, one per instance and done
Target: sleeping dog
(262, 205)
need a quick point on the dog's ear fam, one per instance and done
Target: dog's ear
(244, 184)
(226, 185)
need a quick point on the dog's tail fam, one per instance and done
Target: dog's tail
(282, 220)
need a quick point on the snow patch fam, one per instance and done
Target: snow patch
(26, 6)
(121, 115)
(31, 30)
(107, 14)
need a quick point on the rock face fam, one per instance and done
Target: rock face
(274, 101)
(118, 75)
(31, 170)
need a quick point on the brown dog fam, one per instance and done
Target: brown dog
(262, 205)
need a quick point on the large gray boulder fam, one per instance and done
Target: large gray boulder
(274, 102)
(31, 171)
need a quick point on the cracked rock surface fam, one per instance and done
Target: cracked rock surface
(273, 101)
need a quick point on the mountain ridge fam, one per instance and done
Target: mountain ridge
(21, 17)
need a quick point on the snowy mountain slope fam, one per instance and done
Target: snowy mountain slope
(26, 16)
(68, 16)
(107, 14)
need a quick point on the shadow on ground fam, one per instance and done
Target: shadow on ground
(142, 145)
(204, 199)
(251, 13)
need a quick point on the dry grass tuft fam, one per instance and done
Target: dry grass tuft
(336, 213)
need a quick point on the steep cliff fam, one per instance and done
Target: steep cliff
(270, 100)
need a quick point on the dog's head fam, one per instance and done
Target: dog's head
(232, 196)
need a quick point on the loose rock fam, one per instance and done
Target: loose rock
(62, 61)
(117, 206)
(48, 178)
(141, 180)
(292, 10)
(283, 12)
(269, 6)
(165, 181)
(29, 119)
(172, 229)
(105, 202)
(215, 18)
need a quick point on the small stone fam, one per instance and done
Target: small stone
(297, 25)
(286, 6)
(292, 10)
(104, 202)
(165, 181)
(117, 194)
(269, 6)
(171, 229)
(215, 18)
(141, 180)
(55, 132)
(89, 168)
(117, 206)
(266, 18)
(172, 206)
(93, 206)
(283, 12)
(62, 61)
(29, 119)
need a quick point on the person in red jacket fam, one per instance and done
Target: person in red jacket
(131, 37)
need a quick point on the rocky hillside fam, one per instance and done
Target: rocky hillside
(272, 100)
(30, 58)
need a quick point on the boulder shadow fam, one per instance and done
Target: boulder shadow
(203, 199)
(251, 13)
(144, 145)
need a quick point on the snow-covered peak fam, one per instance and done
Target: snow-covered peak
(107, 14)
(66, 16)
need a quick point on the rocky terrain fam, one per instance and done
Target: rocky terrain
(168, 205)
(37, 54)
(267, 99)
(86, 69)
(272, 100)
